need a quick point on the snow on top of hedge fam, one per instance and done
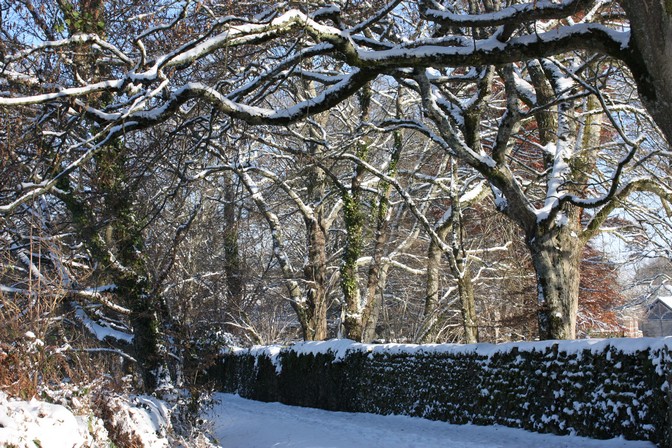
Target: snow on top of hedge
(340, 348)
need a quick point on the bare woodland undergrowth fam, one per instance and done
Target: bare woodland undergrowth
(36, 364)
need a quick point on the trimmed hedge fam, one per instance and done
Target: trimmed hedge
(598, 389)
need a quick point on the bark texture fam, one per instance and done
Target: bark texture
(650, 56)
(315, 273)
(556, 256)
(431, 313)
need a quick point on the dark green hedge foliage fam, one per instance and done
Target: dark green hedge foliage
(598, 394)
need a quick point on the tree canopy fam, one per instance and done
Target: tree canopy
(365, 141)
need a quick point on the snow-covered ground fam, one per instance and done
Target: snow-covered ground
(36, 423)
(237, 422)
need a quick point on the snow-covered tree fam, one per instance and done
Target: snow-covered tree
(518, 91)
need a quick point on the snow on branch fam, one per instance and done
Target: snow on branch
(594, 37)
(107, 350)
(73, 92)
(414, 54)
(246, 34)
(97, 294)
(252, 114)
(101, 332)
(525, 12)
(77, 39)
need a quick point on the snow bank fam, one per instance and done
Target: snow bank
(137, 420)
(36, 423)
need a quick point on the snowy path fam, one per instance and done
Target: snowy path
(240, 423)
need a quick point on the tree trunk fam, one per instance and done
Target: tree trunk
(373, 300)
(354, 223)
(650, 58)
(428, 332)
(375, 304)
(145, 329)
(556, 255)
(354, 226)
(451, 223)
(460, 267)
(377, 271)
(317, 228)
(232, 263)
(129, 271)
(120, 248)
(315, 273)
(114, 237)
(467, 303)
